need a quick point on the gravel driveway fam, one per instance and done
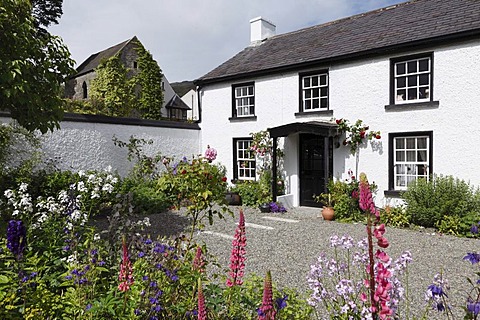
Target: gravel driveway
(289, 245)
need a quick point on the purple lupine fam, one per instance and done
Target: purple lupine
(237, 257)
(16, 237)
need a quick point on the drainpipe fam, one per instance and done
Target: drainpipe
(274, 169)
(199, 104)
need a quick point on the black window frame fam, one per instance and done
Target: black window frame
(393, 62)
(391, 149)
(235, 160)
(301, 76)
(234, 100)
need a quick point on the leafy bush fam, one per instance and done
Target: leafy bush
(395, 216)
(250, 192)
(441, 202)
(146, 198)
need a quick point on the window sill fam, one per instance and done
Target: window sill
(241, 119)
(315, 113)
(393, 193)
(413, 106)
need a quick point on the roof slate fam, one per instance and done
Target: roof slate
(94, 60)
(402, 25)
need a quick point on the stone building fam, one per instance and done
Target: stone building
(77, 88)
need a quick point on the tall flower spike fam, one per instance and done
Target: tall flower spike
(126, 271)
(238, 255)
(202, 310)
(267, 310)
(366, 200)
(16, 238)
(198, 262)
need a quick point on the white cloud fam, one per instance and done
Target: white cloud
(189, 38)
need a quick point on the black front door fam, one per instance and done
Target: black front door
(316, 160)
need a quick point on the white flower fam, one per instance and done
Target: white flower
(81, 173)
(96, 237)
(108, 169)
(8, 193)
(23, 187)
(107, 187)
(81, 186)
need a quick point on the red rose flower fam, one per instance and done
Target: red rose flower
(224, 179)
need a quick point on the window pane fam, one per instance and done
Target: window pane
(306, 82)
(400, 181)
(308, 94)
(315, 81)
(422, 156)
(401, 168)
(412, 66)
(323, 80)
(308, 104)
(400, 156)
(316, 104)
(424, 93)
(324, 103)
(323, 92)
(250, 90)
(411, 156)
(401, 95)
(412, 94)
(422, 170)
(401, 82)
(238, 92)
(422, 143)
(423, 64)
(423, 79)
(400, 68)
(316, 93)
(410, 179)
(400, 143)
(412, 81)
(410, 143)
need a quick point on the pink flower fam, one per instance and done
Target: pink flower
(126, 271)
(210, 154)
(267, 310)
(198, 262)
(366, 200)
(238, 255)
(202, 310)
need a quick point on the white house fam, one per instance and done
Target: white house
(411, 71)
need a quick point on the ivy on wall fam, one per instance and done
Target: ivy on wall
(114, 93)
(149, 79)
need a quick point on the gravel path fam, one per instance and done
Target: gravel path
(288, 249)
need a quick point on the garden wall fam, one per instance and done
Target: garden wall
(85, 141)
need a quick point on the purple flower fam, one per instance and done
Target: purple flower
(137, 312)
(148, 241)
(474, 258)
(281, 302)
(16, 237)
(474, 229)
(436, 290)
(153, 300)
(473, 307)
(88, 307)
(141, 254)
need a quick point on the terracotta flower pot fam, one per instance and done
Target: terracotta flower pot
(328, 213)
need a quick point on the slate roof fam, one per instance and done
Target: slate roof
(181, 88)
(401, 26)
(177, 103)
(94, 60)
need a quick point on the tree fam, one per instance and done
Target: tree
(111, 90)
(33, 63)
(149, 79)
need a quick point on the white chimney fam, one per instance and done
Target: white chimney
(260, 29)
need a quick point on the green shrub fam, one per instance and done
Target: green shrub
(395, 216)
(250, 192)
(429, 203)
(146, 198)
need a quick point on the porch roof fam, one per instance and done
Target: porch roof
(325, 129)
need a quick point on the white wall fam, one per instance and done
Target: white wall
(360, 90)
(88, 145)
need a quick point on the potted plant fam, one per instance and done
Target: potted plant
(328, 212)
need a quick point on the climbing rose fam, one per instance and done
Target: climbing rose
(210, 154)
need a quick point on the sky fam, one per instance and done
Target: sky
(189, 38)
